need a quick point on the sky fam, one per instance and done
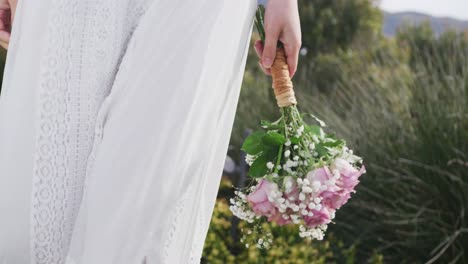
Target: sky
(447, 8)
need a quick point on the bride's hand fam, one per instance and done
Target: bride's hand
(281, 24)
(7, 14)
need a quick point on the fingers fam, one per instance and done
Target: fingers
(5, 17)
(292, 56)
(265, 70)
(5, 25)
(269, 49)
(4, 38)
(4, 45)
(259, 50)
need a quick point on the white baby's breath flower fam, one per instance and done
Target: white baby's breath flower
(316, 185)
(301, 196)
(307, 189)
(290, 163)
(287, 153)
(249, 159)
(315, 138)
(270, 165)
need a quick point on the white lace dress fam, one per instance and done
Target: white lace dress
(115, 117)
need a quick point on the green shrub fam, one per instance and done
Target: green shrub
(288, 247)
(403, 106)
(410, 123)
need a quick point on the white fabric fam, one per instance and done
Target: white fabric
(131, 101)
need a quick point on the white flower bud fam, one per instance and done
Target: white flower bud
(316, 185)
(301, 196)
(270, 165)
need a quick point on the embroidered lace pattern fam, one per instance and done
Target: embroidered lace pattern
(87, 40)
(199, 237)
(175, 221)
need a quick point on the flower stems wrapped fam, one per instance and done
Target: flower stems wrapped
(302, 174)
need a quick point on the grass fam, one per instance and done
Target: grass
(405, 110)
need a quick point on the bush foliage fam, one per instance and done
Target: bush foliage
(402, 104)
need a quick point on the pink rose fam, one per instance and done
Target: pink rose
(349, 175)
(334, 199)
(320, 217)
(321, 175)
(277, 217)
(258, 199)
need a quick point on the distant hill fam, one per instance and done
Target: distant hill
(392, 21)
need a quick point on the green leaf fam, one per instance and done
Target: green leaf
(270, 126)
(321, 150)
(305, 154)
(295, 140)
(259, 168)
(321, 123)
(333, 144)
(270, 152)
(253, 144)
(274, 139)
(314, 129)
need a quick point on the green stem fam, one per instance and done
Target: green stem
(259, 22)
(280, 151)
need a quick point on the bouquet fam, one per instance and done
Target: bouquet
(302, 175)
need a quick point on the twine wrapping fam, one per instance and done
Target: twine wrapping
(282, 84)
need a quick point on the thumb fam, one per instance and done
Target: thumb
(269, 49)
